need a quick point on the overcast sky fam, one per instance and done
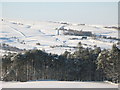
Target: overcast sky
(82, 12)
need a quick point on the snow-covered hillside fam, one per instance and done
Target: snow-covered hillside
(25, 34)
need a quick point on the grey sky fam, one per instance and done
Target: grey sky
(82, 12)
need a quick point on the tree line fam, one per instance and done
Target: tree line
(85, 64)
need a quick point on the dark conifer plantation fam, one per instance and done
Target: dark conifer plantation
(83, 65)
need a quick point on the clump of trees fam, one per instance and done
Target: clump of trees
(37, 43)
(7, 47)
(85, 64)
(109, 63)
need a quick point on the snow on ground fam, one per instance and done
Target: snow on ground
(58, 84)
(96, 29)
(25, 34)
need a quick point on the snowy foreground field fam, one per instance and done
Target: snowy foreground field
(58, 84)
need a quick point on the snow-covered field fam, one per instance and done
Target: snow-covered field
(58, 84)
(25, 34)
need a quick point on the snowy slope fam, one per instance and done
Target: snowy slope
(25, 34)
